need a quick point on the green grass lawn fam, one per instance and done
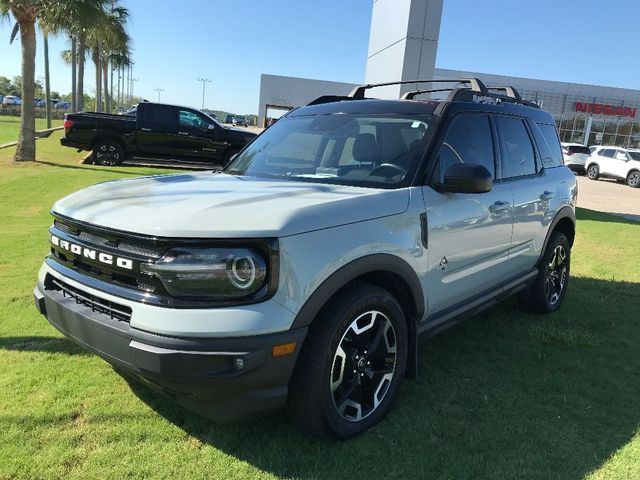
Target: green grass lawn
(10, 127)
(506, 395)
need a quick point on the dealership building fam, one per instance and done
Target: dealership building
(402, 46)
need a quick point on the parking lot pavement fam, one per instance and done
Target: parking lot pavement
(609, 196)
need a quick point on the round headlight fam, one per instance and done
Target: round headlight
(243, 272)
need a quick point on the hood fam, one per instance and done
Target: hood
(207, 205)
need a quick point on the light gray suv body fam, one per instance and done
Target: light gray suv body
(305, 271)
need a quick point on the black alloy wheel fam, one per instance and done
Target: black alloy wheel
(108, 153)
(363, 366)
(556, 277)
(351, 364)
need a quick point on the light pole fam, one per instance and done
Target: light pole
(159, 90)
(204, 83)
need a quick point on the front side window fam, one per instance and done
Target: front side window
(189, 119)
(350, 149)
(518, 158)
(607, 152)
(468, 140)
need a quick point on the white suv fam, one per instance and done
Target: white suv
(615, 162)
(575, 156)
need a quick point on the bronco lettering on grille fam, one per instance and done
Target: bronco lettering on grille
(102, 257)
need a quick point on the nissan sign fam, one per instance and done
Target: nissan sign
(603, 109)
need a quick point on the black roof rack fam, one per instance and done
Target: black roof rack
(475, 85)
(414, 93)
(508, 90)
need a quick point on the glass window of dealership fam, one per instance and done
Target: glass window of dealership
(608, 121)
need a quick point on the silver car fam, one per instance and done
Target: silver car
(303, 274)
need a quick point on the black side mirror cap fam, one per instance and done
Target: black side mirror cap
(467, 178)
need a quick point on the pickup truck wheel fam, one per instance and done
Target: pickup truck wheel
(351, 365)
(548, 291)
(633, 179)
(593, 172)
(108, 153)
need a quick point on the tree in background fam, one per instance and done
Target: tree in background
(25, 13)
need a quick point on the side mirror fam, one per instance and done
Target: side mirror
(211, 127)
(467, 178)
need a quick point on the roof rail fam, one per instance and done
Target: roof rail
(414, 93)
(475, 85)
(508, 90)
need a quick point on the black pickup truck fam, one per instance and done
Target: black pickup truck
(155, 131)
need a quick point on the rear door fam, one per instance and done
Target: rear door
(157, 132)
(534, 189)
(469, 235)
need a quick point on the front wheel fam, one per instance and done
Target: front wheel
(351, 365)
(108, 153)
(550, 287)
(633, 179)
(593, 172)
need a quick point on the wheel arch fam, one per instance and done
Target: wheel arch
(383, 270)
(564, 222)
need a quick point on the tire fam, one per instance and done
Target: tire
(633, 179)
(593, 172)
(550, 287)
(339, 361)
(108, 153)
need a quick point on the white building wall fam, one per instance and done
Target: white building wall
(292, 92)
(403, 43)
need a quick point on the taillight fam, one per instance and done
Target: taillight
(67, 124)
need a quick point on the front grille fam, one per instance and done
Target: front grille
(113, 310)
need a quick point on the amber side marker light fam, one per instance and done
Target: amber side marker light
(284, 349)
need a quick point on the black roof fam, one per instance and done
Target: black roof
(416, 107)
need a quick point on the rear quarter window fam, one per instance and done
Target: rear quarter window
(549, 146)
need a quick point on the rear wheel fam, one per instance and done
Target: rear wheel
(593, 172)
(108, 153)
(633, 179)
(351, 365)
(548, 291)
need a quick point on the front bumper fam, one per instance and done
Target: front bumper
(225, 379)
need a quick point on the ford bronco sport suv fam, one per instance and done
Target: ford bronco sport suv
(303, 274)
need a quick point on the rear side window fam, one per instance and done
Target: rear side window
(579, 149)
(159, 117)
(548, 143)
(518, 158)
(468, 140)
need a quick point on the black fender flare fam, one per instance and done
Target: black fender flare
(564, 212)
(379, 262)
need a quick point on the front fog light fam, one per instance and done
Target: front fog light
(213, 273)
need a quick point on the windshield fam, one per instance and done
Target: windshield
(347, 149)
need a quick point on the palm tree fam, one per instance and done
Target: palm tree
(52, 13)
(108, 35)
(25, 14)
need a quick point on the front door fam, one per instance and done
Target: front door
(200, 137)
(469, 235)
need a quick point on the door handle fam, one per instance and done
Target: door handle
(183, 133)
(499, 207)
(546, 195)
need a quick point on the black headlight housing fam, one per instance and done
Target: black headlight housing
(219, 274)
